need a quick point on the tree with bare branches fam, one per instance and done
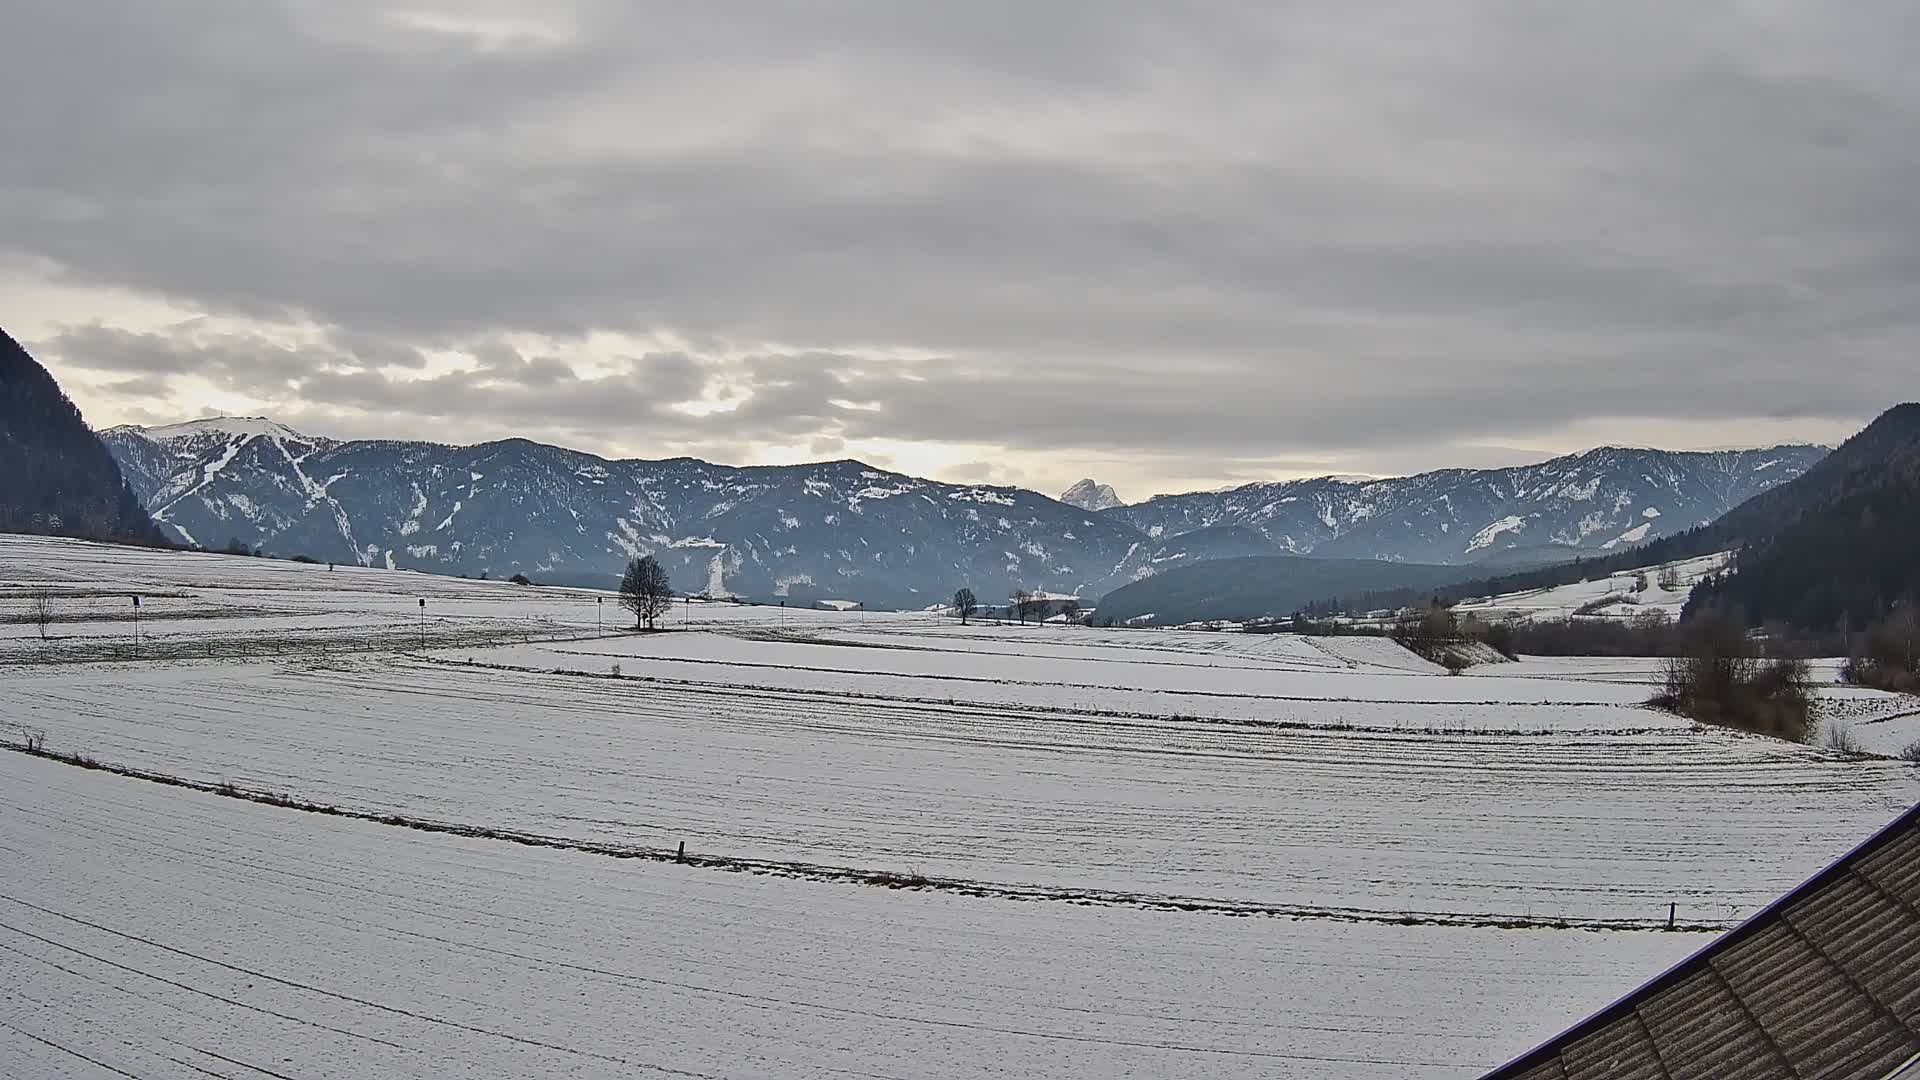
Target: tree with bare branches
(40, 610)
(645, 590)
(965, 604)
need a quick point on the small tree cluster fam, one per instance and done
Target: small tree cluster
(1720, 679)
(1887, 656)
(1427, 630)
(1022, 604)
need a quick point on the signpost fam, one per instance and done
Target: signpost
(136, 626)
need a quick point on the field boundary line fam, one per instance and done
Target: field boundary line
(890, 879)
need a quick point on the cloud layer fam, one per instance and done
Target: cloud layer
(1174, 246)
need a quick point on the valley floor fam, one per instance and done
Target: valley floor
(915, 849)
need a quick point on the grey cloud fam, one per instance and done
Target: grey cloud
(1237, 233)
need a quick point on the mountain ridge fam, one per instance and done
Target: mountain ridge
(838, 529)
(1602, 498)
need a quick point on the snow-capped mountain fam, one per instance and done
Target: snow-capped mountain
(845, 530)
(829, 530)
(1603, 499)
(1088, 495)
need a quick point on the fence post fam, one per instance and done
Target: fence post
(1670, 910)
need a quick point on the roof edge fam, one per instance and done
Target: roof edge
(1751, 926)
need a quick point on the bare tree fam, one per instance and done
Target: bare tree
(1022, 600)
(965, 604)
(645, 590)
(41, 611)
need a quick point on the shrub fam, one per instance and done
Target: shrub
(521, 579)
(305, 559)
(1454, 662)
(1840, 737)
(1911, 752)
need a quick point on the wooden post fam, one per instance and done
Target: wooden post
(682, 856)
(1670, 910)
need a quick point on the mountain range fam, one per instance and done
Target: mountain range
(1826, 549)
(1608, 498)
(846, 530)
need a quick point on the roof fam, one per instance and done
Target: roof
(1825, 982)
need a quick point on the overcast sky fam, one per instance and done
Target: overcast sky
(1167, 245)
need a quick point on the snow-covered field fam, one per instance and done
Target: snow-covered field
(163, 933)
(1430, 872)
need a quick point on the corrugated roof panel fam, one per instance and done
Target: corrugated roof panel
(1703, 1031)
(1618, 1050)
(1824, 983)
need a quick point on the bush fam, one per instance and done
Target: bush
(521, 579)
(1911, 752)
(1454, 662)
(305, 559)
(1841, 738)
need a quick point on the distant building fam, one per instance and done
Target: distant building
(1824, 983)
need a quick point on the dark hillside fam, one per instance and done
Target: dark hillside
(56, 477)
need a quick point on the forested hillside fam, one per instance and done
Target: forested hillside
(1847, 561)
(56, 477)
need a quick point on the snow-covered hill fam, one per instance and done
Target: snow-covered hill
(1604, 499)
(843, 529)
(1624, 594)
